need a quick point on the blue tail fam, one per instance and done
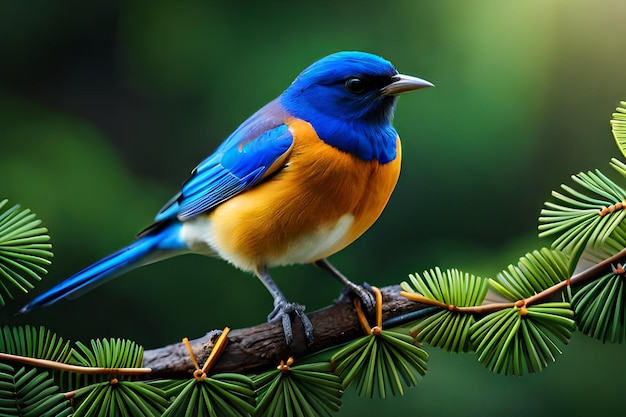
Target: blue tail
(159, 243)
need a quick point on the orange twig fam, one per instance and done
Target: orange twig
(577, 279)
(217, 350)
(218, 347)
(361, 315)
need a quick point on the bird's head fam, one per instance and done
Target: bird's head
(348, 91)
(350, 86)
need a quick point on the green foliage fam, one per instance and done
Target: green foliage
(113, 393)
(30, 393)
(618, 125)
(447, 329)
(108, 353)
(24, 250)
(512, 340)
(227, 395)
(535, 272)
(380, 363)
(305, 390)
(104, 353)
(519, 340)
(34, 343)
(526, 338)
(583, 218)
(451, 288)
(120, 398)
(600, 307)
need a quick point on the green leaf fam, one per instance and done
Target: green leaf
(447, 329)
(519, 340)
(600, 308)
(30, 393)
(381, 363)
(24, 250)
(535, 272)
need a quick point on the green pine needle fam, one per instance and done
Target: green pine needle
(575, 218)
(226, 394)
(24, 250)
(304, 390)
(34, 342)
(380, 364)
(619, 166)
(120, 398)
(601, 308)
(103, 353)
(618, 125)
(515, 341)
(30, 393)
(109, 353)
(535, 272)
(447, 329)
(112, 394)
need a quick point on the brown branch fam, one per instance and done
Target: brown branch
(599, 269)
(263, 346)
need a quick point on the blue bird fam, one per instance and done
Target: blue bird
(298, 181)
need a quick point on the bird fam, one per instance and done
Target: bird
(298, 181)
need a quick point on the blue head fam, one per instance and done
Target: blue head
(349, 99)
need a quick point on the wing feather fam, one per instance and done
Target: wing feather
(250, 154)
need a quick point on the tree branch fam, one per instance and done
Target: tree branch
(263, 346)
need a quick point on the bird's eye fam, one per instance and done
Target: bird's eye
(355, 85)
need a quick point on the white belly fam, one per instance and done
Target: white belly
(198, 234)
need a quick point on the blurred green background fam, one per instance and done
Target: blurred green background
(106, 106)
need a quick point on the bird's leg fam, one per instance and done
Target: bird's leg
(366, 297)
(283, 309)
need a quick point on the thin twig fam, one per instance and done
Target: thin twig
(60, 366)
(598, 269)
(580, 278)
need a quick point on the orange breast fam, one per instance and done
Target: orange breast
(320, 192)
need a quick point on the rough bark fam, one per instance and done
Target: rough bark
(263, 346)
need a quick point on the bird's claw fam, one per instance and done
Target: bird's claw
(363, 293)
(282, 311)
(368, 301)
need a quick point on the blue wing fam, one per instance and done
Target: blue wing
(256, 149)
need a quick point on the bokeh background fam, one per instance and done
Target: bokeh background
(105, 107)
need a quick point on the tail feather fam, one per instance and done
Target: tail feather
(145, 250)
